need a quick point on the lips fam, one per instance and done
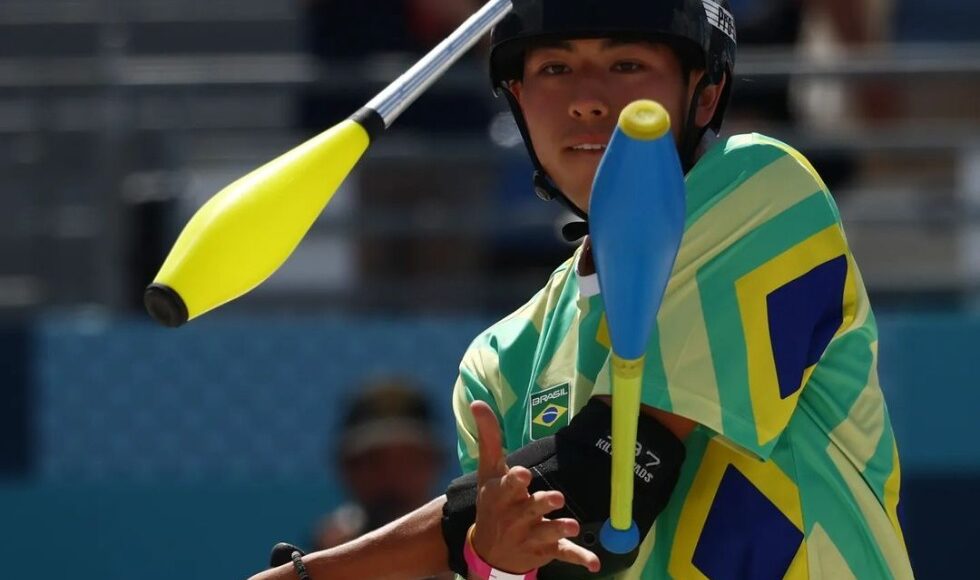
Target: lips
(590, 147)
(586, 151)
(594, 143)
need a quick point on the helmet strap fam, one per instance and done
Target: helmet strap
(691, 135)
(544, 187)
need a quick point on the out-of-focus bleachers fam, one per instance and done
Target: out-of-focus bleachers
(73, 139)
(935, 21)
(106, 105)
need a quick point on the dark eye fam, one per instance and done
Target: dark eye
(554, 69)
(627, 66)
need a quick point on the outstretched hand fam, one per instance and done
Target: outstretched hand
(511, 532)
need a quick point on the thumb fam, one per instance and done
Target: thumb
(490, 442)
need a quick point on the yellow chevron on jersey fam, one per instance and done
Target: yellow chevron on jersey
(766, 494)
(773, 403)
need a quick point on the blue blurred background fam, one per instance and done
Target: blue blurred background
(130, 450)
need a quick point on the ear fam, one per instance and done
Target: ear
(516, 88)
(708, 102)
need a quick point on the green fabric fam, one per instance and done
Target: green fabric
(823, 458)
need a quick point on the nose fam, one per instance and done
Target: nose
(588, 108)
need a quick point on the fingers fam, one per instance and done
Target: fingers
(490, 442)
(505, 495)
(504, 504)
(572, 553)
(515, 482)
(549, 532)
(539, 505)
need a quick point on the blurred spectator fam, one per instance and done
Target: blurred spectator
(389, 457)
(344, 29)
(810, 26)
(766, 23)
(340, 31)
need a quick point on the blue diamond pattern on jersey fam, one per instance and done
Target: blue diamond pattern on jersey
(803, 317)
(745, 535)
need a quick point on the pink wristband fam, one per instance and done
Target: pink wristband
(478, 567)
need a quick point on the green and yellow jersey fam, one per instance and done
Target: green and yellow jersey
(766, 339)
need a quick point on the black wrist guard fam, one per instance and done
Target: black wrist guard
(577, 461)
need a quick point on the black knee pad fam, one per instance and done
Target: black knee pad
(577, 461)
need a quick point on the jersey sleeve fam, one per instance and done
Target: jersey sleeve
(476, 377)
(763, 282)
(498, 368)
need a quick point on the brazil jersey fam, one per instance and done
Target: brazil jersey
(765, 338)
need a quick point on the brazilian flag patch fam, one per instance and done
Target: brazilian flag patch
(549, 411)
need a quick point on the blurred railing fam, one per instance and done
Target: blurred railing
(24, 12)
(258, 69)
(92, 141)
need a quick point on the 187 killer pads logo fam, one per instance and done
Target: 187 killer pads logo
(549, 411)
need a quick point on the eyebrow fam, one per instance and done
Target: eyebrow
(607, 43)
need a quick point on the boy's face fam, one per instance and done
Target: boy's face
(573, 92)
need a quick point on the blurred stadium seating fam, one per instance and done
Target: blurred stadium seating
(125, 445)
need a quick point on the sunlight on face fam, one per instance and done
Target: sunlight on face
(572, 93)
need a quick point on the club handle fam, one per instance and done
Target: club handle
(627, 376)
(396, 97)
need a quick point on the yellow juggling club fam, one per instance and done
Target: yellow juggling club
(636, 221)
(247, 231)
